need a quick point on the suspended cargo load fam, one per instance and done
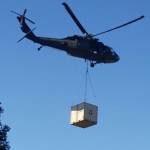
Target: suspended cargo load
(84, 115)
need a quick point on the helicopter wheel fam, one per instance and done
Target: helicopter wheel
(92, 64)
(40, 47)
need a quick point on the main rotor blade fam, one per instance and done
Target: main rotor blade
(119, 26)
(74, 18)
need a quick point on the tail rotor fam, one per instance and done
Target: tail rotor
(23, 17)
(24, 27)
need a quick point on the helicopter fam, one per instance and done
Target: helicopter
(86, 46)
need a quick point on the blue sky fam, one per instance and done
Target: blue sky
(37, 89)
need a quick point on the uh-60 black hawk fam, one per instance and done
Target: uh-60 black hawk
(87, 46)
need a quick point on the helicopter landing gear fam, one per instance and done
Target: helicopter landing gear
(40, 47)
(92, 64)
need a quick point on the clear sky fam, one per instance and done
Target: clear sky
(37, 89)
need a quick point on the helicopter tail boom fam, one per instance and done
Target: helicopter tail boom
(25, 28)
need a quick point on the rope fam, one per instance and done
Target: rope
(92, 86)
(87, 76)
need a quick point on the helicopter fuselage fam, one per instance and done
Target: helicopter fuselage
(86, 47)
(82, 47)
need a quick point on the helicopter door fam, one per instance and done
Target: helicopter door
(82, 45)
(72, 44)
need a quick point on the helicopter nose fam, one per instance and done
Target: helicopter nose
(117, 57)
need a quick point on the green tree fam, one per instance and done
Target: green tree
(4, 144)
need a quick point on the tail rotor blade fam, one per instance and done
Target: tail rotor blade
(29, 20)
(24, 12)
(15, 13)
(26, 17)
(23, 16)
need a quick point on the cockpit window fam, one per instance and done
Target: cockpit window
(112, 50)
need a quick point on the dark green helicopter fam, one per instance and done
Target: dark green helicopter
(86, 47)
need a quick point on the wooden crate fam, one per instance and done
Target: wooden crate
(84, 115)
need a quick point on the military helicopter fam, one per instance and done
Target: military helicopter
(87, 46)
